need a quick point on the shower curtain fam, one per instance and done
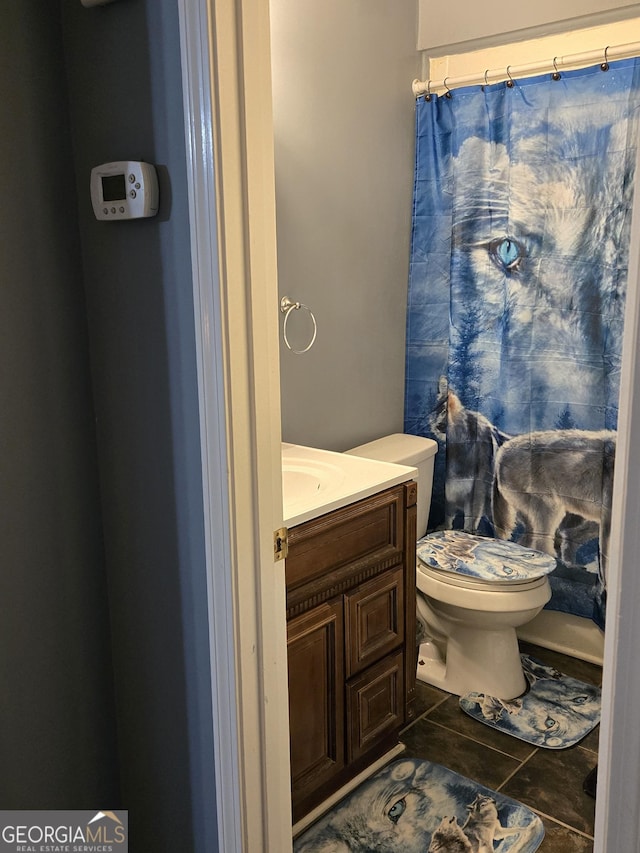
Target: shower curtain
(521, 226)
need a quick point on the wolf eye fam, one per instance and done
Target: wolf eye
(550, 722)
(506, 253)
(580, 700)
(397, 810)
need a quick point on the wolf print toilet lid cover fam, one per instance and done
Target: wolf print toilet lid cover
(483, 558)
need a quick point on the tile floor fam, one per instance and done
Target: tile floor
(548, 781)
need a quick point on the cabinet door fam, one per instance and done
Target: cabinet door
(375, 705)
(374, 620)
(316, 697)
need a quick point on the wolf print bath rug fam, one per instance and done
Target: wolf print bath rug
(556, 712)
(415, 806)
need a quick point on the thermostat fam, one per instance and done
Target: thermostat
(125, 189)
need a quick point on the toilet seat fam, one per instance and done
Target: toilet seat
(482, 597)
(468, 582)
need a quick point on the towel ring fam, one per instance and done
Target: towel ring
(286, 307)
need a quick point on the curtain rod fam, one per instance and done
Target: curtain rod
(621, 51)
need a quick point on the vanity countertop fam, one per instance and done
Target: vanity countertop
(315, 482)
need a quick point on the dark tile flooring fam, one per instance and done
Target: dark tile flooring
(548, 781)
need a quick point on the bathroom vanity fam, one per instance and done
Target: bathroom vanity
(350, 579)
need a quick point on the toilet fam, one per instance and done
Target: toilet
(473, 592)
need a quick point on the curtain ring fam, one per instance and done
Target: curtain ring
(447, 94)
(427, 97)
(510, 81)
(556, 74)
(604, 66)
(286, 307)
(486, 82)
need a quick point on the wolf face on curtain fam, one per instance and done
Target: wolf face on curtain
(521, 227)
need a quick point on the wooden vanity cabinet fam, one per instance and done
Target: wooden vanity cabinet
(351, 639)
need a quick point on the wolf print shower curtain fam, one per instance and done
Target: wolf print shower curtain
(521, 226)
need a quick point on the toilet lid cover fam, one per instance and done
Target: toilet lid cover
(479, 557)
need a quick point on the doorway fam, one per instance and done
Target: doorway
(240, 394)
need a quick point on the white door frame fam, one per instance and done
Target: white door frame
(229, 130)
(617, 811)
(226, 69)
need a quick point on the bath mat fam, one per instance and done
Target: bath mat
(412, 806)
(556, 712)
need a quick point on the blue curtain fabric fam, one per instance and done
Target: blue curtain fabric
(521, 226)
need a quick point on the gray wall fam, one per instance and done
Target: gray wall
(57, 726)
(344, 136)
(487, 22)
(104, 655)
(124, 76)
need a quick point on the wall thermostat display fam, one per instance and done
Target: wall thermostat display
(125, 189)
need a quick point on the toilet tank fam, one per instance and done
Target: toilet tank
(403, 449)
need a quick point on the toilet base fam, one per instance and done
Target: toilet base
(475, 660)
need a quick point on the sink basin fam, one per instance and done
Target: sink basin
(305, 481)
(317, 481)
